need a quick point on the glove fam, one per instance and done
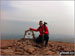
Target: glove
(30, 28)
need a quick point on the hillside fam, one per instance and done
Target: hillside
(29, 47)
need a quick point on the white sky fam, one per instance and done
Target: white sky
(58, 14)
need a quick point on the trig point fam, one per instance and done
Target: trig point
(29, 34)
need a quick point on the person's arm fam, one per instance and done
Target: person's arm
(46, 30)
(34, 29)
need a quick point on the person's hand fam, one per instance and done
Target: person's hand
(30, 28)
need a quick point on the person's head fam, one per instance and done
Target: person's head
(40, 23)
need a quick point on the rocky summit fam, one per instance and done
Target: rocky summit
(29, 47)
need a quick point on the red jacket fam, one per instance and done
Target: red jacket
(40, 29)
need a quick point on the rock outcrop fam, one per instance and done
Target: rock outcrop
(29, 47)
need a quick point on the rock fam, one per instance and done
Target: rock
(19, 53)
(31, 50)
(9, 47)
(21, 46)
(29, 47)
(28, 42)
(6, 43)
(18, 43)
(8, 52)
(48, 53)
(25, 53)
(60, 49)
(50, 45)
(36, 52)
(19, 50)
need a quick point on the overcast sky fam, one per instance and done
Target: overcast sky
(58, 14)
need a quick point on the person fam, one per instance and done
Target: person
(40, 39)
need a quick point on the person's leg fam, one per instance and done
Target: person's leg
(46, 38)
(39, 39)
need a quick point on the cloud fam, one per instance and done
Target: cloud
(59, 14)
(29, 10)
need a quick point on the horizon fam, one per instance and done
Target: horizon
(18, 32)
(18, 16)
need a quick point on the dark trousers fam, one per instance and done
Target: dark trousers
(45, 40)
